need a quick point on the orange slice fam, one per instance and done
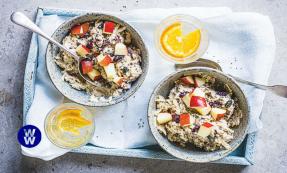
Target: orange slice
(178, 45)
(72, 121)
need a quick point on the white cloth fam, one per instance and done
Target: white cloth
(242, 43)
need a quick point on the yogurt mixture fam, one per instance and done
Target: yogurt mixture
(110, 59)
(198, 111)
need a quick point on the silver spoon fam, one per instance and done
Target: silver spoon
(279, 90)
(22, 20)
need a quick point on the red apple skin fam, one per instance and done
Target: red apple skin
(219, 116)
(187, 80)
(87, 49)
(109, 27)
(197, 101)
(87, 66)
(106, 61)
(184, 119)
(80, 29)
(208, 125)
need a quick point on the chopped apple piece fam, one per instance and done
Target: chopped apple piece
(119, 80)
(87, 66)
(110, 71)
(204, 130)
(198, 81)
(203, 110)
(163, 118)
(80, 29)
(198, 92)
(82, 50)
(187, 80)
(217, 113)
(109, 27)
(184, 120)
(94, 74)
(197, 101)
(186, 99)
(104, 60)
(121, 49)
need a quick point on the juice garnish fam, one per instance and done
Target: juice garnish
(179, 43)
(69, 125)
(71, 121)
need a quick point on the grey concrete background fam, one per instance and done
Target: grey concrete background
(271, 154)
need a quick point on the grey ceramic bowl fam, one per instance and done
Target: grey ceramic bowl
(82, 97)
(192, 153)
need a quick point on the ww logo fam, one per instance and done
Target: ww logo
(29, 136)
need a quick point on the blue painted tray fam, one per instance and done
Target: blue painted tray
(242, 156)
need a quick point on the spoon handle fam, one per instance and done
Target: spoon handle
(22, 20)
(259, 86)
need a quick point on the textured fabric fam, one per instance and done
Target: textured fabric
(242, 43)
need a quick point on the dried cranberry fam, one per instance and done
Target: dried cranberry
(175, 118)
(215, 104)
(182, 94)
(221, 93)
(118, 58)
(130, 50)
(90, 45)
(195, 128)
(105, 43)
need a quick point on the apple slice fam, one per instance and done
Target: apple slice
(109, 27)
(203, 110)
(217, 113)
(163, 118)
(110, 71)
(187, 80)
(198, 81)
(184, 120)
(80, 29)
(104, 60)
(198, 92)
(94, 74)
(119, 80)
(121, 49)
(197, 101)
(204, 130)
(82, 50)
(87, 66)
(186, 99)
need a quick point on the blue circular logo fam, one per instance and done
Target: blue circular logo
(29, 136)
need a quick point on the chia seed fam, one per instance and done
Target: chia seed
(228, 103)
(125, 70)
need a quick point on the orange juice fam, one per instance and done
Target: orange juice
(181, 39)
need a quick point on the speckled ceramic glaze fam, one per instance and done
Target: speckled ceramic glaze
(194, 154)
(82, 97)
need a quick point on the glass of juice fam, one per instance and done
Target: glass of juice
(181, 39)
(69, 125)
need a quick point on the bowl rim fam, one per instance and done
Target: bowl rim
(124, 96)
(155, 133)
